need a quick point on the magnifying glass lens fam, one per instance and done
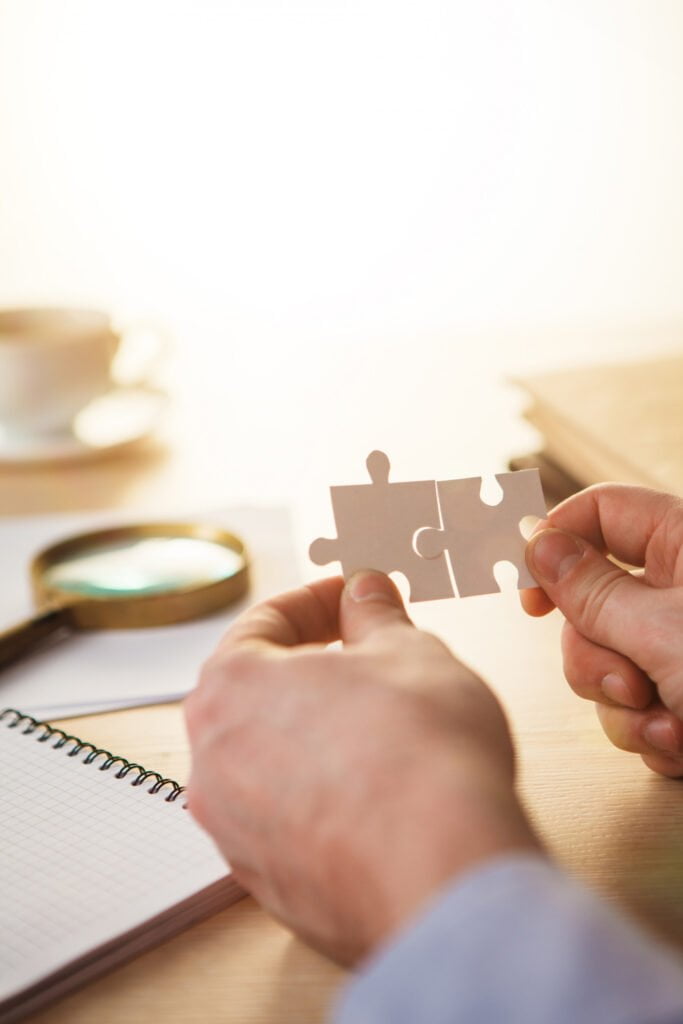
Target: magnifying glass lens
(143, 565)
(129, 577)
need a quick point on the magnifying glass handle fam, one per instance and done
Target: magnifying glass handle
(28, 635)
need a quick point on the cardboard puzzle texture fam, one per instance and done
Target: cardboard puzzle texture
(421, 527)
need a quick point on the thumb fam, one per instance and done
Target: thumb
(370, 602)
(602, 601)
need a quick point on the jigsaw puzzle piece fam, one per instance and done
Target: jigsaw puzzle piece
(477, 535)
(376, 524)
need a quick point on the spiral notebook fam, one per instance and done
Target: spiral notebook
(99, 860)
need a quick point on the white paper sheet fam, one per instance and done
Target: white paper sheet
(88, 858)
(90, 672)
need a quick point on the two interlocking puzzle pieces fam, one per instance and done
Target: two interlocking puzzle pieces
(410, 527)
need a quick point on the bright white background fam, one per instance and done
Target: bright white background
(354, 216)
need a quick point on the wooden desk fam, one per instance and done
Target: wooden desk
(600, 811)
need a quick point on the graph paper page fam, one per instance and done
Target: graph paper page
(84, 856)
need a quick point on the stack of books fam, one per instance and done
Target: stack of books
(619, 422)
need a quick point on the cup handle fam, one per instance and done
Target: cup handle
(143, 351)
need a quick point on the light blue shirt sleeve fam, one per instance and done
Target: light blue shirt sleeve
(517, 942)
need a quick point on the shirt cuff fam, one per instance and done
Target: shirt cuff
(517, 942)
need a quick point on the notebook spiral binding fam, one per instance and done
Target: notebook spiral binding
(14, 719)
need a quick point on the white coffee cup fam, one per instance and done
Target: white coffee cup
(53, 363)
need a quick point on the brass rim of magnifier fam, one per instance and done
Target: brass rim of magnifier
(140, 611)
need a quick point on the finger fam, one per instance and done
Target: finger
(618, 518)
(306, 615)
(654, 732)
(535, 602)
(601, 600)
(370, 603)
(600, 674)
(672, 767)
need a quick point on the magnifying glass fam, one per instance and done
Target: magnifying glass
(129, 577)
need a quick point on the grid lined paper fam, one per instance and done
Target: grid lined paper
(84, 856)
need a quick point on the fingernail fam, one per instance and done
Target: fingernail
(553, 554)
(371, 586)
(616, 689)
(661, 735)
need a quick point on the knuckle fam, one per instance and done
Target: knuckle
(594, 601)
(581, 671)
(662, 646)
(578, 681)
(228, 666)
(224, 681)
(208, 700)
(199, 710)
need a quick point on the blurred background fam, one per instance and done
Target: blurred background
(355, 218)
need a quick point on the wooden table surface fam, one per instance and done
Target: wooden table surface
(600, 811)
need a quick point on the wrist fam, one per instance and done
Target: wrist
(436, 841)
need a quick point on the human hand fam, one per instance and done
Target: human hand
(346, 786)
(623, 639)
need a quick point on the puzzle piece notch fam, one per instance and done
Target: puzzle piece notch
(376, 524)
(477, 535)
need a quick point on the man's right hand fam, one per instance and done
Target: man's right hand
(347, 786)
(623, 638)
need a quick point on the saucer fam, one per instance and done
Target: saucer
(116, 420)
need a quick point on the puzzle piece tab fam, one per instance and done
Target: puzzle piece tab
(477, 535)
(376, 524)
